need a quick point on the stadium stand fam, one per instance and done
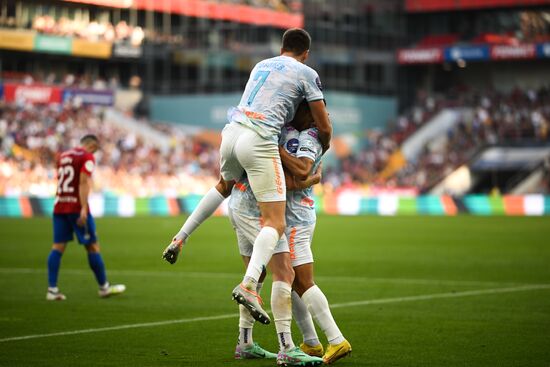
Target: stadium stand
(32, 135)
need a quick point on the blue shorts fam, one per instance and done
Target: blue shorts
(64, 226)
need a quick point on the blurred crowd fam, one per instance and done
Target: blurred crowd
(520, 116)
(89, 30)
(365, 168)
(32, 136)
(492, 118)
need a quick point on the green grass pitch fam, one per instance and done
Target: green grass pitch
(407, 291)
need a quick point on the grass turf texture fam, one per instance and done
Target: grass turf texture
(357, 259)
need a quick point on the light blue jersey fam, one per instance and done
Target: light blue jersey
(300, 208)
(272, 94)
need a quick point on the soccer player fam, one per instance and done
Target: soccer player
(71, 215)
(250, 144)
(301, 154)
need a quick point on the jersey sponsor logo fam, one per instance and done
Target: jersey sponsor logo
(66, 199)
(292, 145)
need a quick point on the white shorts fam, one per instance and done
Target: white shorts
(247, 229)
(299, 244)
(243, 150)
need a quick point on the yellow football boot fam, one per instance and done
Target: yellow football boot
(336, 352)
(316, 351)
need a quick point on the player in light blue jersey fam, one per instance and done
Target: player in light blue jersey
(301, 154)
(301, 158)
(249, 145)
(272, 94)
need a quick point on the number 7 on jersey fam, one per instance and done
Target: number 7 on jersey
(261, 76)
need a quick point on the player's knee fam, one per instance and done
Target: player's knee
(281, 228)
(283, 272)
(302, 285)
(287, 273)
(93, 248)
(58, 247)
(278, 225)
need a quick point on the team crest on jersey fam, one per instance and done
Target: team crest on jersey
(292, 145)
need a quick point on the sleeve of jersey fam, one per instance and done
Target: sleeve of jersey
(88, 166)
(309, 146)
(313, 89)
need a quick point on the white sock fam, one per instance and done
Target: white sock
(317, 305)
(281, 307)
(245, 336)
(207, 206)
(246, 323)
(304, 321)
(262, 252)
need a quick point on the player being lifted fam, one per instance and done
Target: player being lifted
(250, 145)
(71, 214)
(301, 154)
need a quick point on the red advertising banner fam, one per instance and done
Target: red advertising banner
(440, 5)
(34, 93)
(420, 55)
(210, 10)
(505, 52)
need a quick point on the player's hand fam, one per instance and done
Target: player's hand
(319, 170)
(83, 218)
(171, 252)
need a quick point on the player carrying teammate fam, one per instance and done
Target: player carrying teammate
(301, 154)
(71, 215)
(250, 144)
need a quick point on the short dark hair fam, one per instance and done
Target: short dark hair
(89, 138)
(296, 40)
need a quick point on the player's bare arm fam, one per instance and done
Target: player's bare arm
(298, 167)
(322, 122)
(83, 192)
(292, 183)
(224, 187)
(311, 180)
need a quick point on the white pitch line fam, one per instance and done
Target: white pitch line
(120, 327)
(337, 305)
(215, 275)
(423, 297)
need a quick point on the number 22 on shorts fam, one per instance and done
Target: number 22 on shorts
(261, 76)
